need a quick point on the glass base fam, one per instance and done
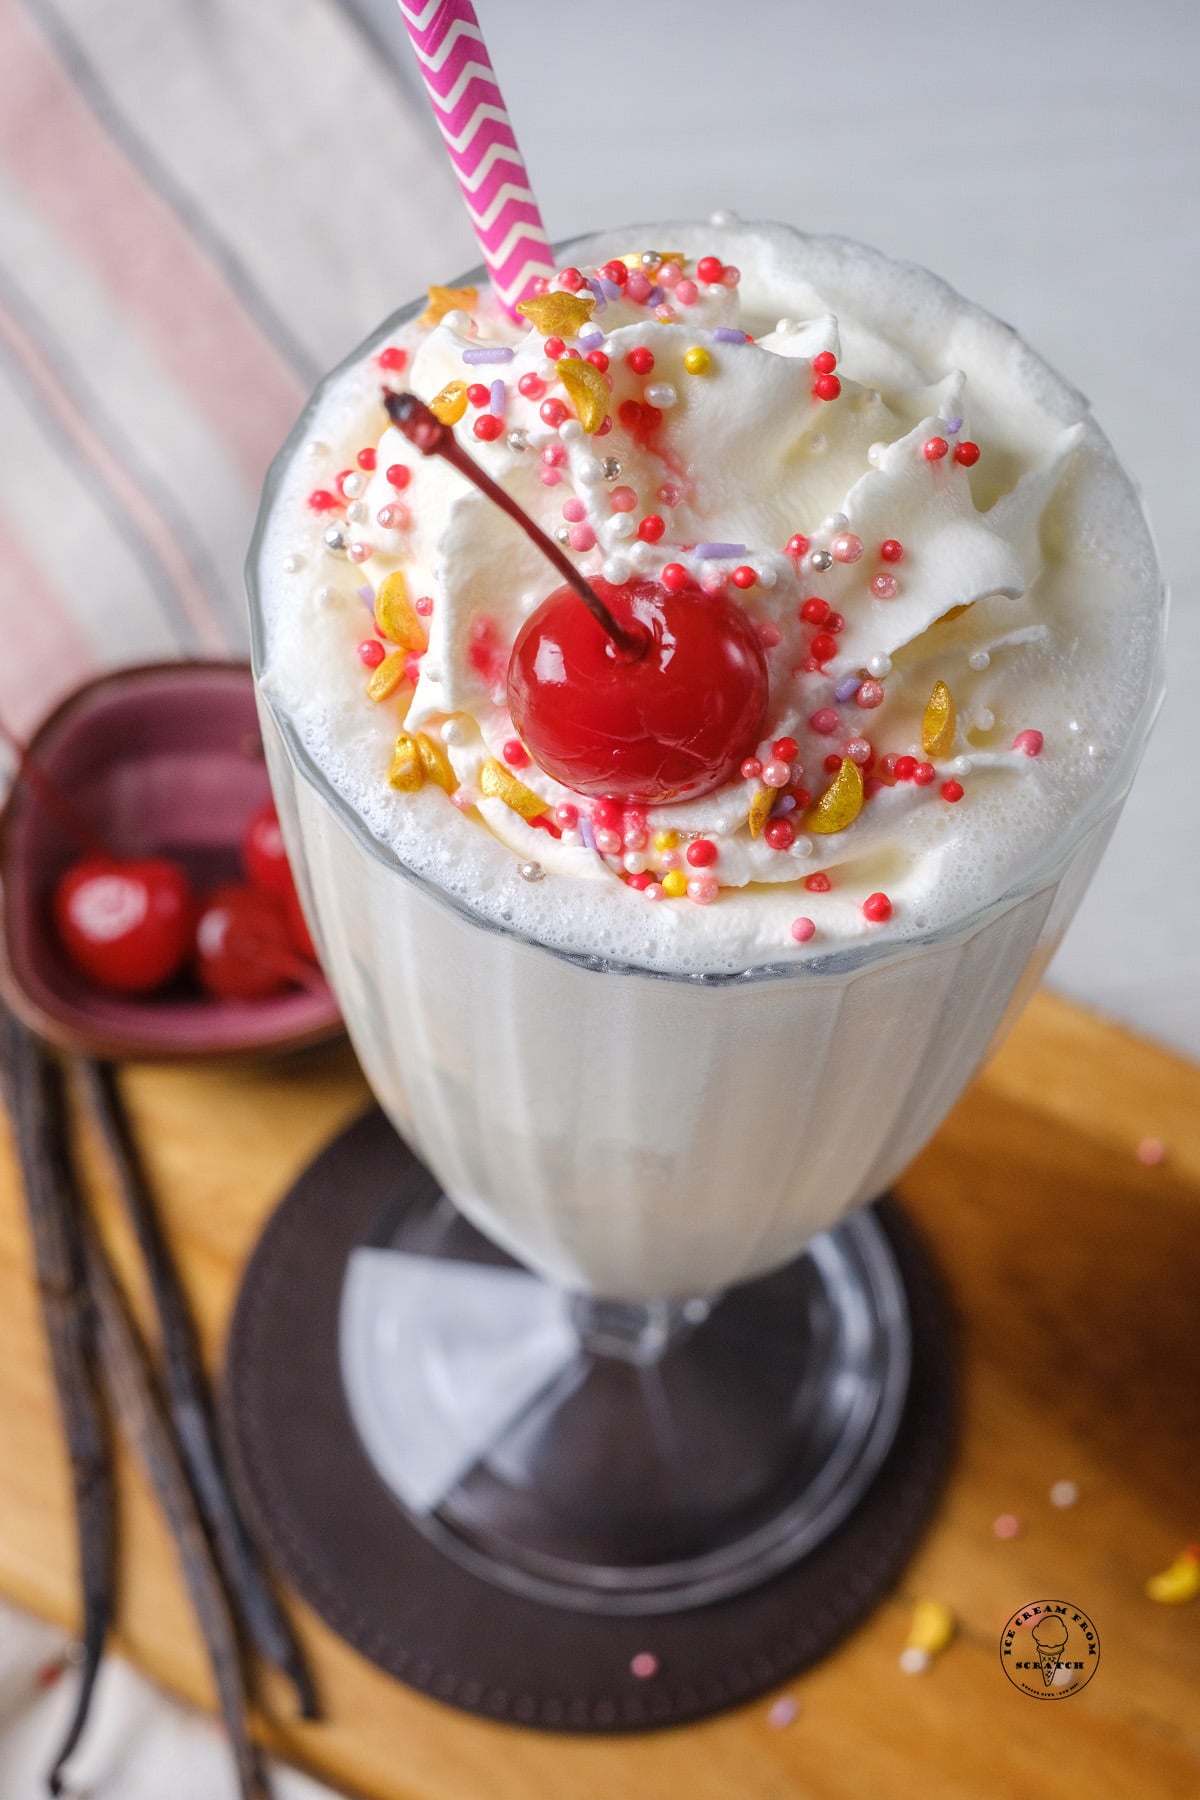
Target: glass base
(621, 1459)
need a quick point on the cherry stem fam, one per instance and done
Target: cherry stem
(425, 430)
(52, 797)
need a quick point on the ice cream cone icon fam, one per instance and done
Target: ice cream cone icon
(1050, 1636)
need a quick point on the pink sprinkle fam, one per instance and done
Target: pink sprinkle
(371, 652)
(782, 1712)
(1150, 1152)
(549, 477)
(554, 455)
(846, 547)
(423, 606)
(582, 537)
(1007, 1525)
(686, 292)
(1030, 742)
(769, 634)
(869, 695)
(639, 288)
(670, 493)
(703, 889)
(802, 930)
(573, 511)
(825, 721)
(884, 587)
(623, 499)
(645, 1663)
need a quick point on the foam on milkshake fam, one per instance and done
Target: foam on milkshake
(1040, 542)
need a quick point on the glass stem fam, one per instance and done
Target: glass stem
(635, 1331)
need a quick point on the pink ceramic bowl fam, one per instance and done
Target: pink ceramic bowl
(164, 759)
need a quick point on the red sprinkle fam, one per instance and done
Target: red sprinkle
(905, 768)
(393, 358)
(815, 611)
(616, 272)
(825, 722)
(877, 908)
(423, 605)
(674, 578)
(702, 853)
(321, 499)
(924, 774)
(478, 394)
(744, 577)
(834, 621)
(1030, 742)
(399, 475)
(488, 427)
(515, 754)
(891, 550)
(833, 763)
(824, 362)
(780, 834)
(640, 881)
(751, 768)
(827, 387)
(366, 459)
(709, 270)
(952, 791)
(571, 279)
(554, 348)
(598, 360)
(532, 386)
(552, 412)
(824, 646)
(934, 449)
(371, 652)
(640, 360)
(817, 884)
(786, 749)
(651, 528)
(966, 453)
(797, 545)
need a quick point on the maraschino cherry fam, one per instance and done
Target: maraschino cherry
(646, 696)
(125, 923)
(244, 947)
(265, 860)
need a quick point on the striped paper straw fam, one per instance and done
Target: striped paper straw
(469, 109)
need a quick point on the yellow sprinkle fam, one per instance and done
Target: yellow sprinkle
(443, 300)
(499, 783)
(760, 810)
(588, 390)
(435, 763)
(1171, 1587)
(394, 613)
(557, 314)
(938, 725)
(666, 840)
(675, 884)
(450, 405)
(388, 676)
(841, 802)
(697, 360)
(932, 1627)
(406, 773)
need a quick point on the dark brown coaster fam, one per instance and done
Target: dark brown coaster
(337, 1532)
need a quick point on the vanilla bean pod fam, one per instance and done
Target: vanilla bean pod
(34, 1094)
(138, 1406)
(257, 1609)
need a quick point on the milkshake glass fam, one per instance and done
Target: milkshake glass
(645, 1137)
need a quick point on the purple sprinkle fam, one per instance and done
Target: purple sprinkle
(656, 296)
(846, 688)
(596, 289)
(591, 335)
(783, 806)
(782, 1712)
(952, 426)
(725, 334)
(609, 288)
(499, 399)
(720, 549)
(586, 832)
(366, 594)
(488, 353)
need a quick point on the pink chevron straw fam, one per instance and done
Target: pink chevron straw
(469, 109)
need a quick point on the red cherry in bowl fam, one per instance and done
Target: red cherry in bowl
(670, 724)
(126, 925)
(243, 949)
(263, 855)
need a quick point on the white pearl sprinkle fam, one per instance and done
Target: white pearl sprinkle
(328, 596)
(983, 719)
(786, 327)
(458, 321)
(914, 1661)
(530, 871)
(964, 765)
(723, 216)
(834, 523)
(353, 485)
(315, 450)
(572, 839)
(293, 562)
(879, 666)
(978, 659)
(358, 512)
(430, 671)
(622, 525)
(453, 732)
(767, 576)
(875, 454)
(803, 846)
(723, 825)
(589, 472)
(616, 570)
(635, 862)
(661, 393)
(570, 431)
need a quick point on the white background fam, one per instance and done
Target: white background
(1044, 158)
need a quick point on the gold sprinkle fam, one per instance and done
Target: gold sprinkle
(394, 613)
(760, 810)
(499, 783)
(938, 725)
(841, 802)
(443, 300)
(587, 388)
(450, 405)
(388, 676)
(557, 314)
(435, 763)
(406, 773)
(932, 1626)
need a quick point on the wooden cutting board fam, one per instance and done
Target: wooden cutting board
(1076, 1272)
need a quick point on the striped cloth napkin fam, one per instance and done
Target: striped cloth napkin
(203, 205)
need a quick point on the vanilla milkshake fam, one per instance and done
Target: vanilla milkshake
(652, 1037)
